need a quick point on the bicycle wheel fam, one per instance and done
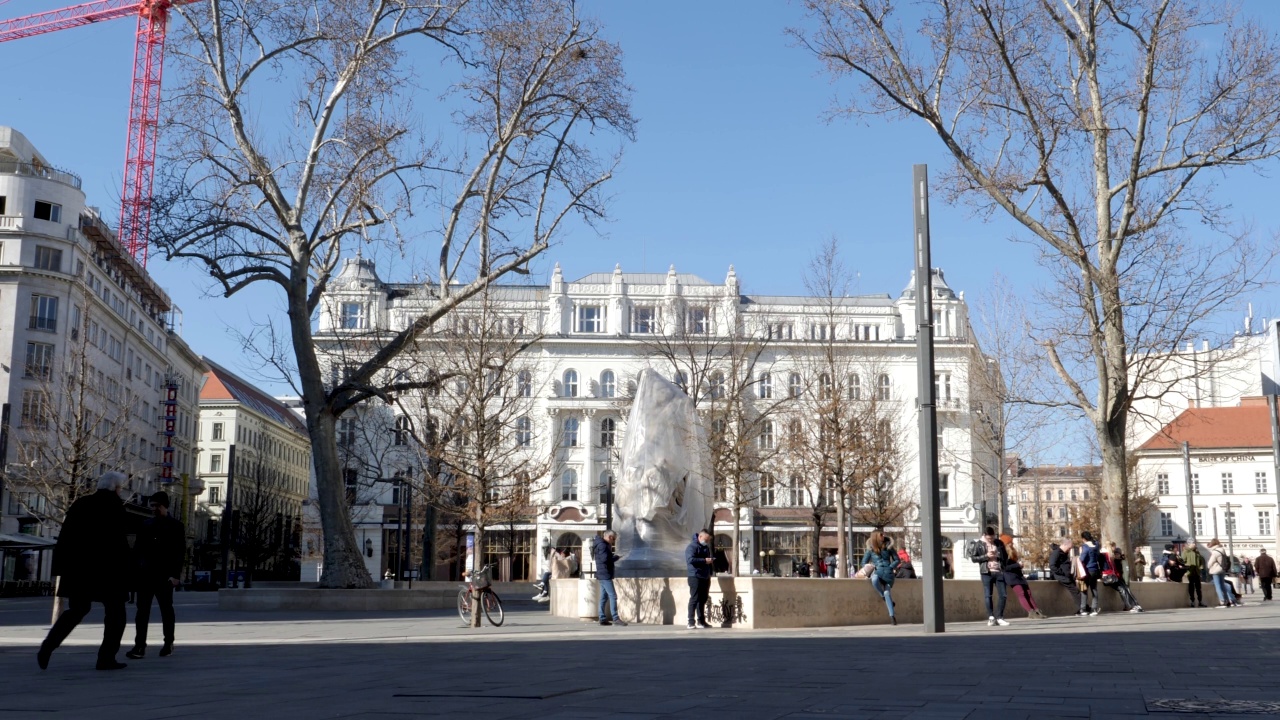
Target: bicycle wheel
(464, 606)
(493, 608)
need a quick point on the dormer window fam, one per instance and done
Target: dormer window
(354, 316)
(699, 321)
(590, 319)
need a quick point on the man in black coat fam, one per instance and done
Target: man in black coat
(160, 550)
(91, 560)
(1060, 565)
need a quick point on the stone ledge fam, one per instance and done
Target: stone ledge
(265, 599)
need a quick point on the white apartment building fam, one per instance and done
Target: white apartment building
(1232, 483)
(269, 475)
(591, 337)
(76, 310)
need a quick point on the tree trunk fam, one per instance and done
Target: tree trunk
(735, 553)
(1115, 497)
(842, 562)
(343, 563)
(477, 564)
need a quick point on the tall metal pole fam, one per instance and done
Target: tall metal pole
(1191, 497)
(1275, 460)
(930, 505)
(1230, 519)
(408, 531)
(228, 511)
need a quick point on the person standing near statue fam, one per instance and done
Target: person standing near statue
(602, 552)
(698, 559)
(91, 561)
(160, 550)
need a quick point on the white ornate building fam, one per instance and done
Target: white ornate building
(592, 337)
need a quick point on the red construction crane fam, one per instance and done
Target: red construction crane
(144, 108)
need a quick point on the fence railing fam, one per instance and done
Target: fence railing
(12, 167)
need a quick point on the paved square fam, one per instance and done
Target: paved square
(405, 665)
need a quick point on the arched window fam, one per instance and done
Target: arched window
(1048, 495)
(794, 386)
(1062, 495)
(524, 383)
(404, 427)
(885, 391)
(765, 386)
(608, 432)
(570, 543)
(608, 384)
(855, 387)
(524, 432)
(569, 485)
(571, 383)
(824, 387)
(569, 437)
(606, 484)
(716, 385)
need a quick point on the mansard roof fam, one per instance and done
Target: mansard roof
(222, 384)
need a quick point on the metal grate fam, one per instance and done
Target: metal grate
(1215, 707)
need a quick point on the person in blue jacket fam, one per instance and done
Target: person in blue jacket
(699, 560)
(1091, 561)
(884, 558)
(605, 557)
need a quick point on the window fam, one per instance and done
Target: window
(716, 385)
(885, 389)
(1048, 495)
(569, 438)
(764, 388)
(570, 383)
(768, 494)
(524, 384)
(794, 386)
(346, 432)
(699, 321)
(569, 485)
(1086, 493)
(35, 409)
(604, 487)
(1228, 484)
(403, 429)
(77, 317)
(2, 204)
(795, 491)
(44, 313)
(1049, 514)
(644, 319)
(1062, 495)
(608, 432)
(524, 432)
(1264, 522)
(46, 210)
(1195, 483)
(1162, 484)
(867, 332)
(781, 331)
(353, 316)
(855, 387)
(590, 319)
(944, 489)
(794, 428)
(39, 360)
(1231, 523)
(822, 331)
(608, 384)
(1199, 529)
(1166, 524)
(1260, 482)
(824, 387)
(942, 386)
(215, 463)
(1024, 513)
(48, 258)
(215, 495)
(766, 435)
(218, 430)
(1024, 496)
(1074, 495)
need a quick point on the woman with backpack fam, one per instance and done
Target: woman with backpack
(1014, 578)
(1219, 566)
(881, 555)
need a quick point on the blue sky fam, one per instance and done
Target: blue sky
(733, 163)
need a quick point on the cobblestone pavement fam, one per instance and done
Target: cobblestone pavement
(1222, 663)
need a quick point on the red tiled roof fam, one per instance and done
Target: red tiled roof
(222, 384)
(1245, 426)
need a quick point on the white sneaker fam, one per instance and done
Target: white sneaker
(703, 626)
(692, 626)
(991, 622)
(1002, 622)
(1093, 614)
(1135, 609)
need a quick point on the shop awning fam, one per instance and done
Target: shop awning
(25, 542)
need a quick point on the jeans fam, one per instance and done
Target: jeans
(998, 580)
(608, 600)
(1265, 583)
(1126, 595)
(1023, 593)
(1194, 593)
(162, 591)
(884, 589)
(699, 590)
(1220, 587)
(1076, 597)
(77, 608)
(1091, 599)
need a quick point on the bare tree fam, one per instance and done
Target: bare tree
(1092, 124)
(263, 537)
(344, 155)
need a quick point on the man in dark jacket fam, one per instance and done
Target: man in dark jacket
(991, 561)
(160, 549)
(91, 561)
(1060, 566)
(698, 560)
(605, 557)
(1265, 566)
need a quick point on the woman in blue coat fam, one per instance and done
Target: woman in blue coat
(884, 558)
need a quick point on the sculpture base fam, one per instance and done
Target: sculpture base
(651, 563)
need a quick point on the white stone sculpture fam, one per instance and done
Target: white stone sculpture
(664, 494)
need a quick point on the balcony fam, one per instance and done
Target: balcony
(10, 167)
(12, 223)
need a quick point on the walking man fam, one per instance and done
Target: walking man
(698, 560)
(1265, 566)
(605, 559)
(91, 560)
(160, 549)
(1193, 561)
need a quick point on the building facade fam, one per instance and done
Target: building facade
(95, 375)
(1050, 502)
(1230, 492)
(255, 458)
(589, 339)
